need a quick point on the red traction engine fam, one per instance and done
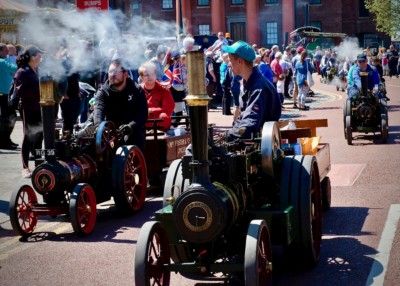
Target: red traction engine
(75, 173)
(225, 203)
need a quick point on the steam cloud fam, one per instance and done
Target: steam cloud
(51, 28)
(349, 48)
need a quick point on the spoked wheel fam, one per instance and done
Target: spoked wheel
(349, 132)
(384, 128)
(270, 148)
(346, 112)
(152, 253)
(82, 209)
(23, 219)
(258, 255)
(129, 177)
(303, 192)
(326, 193)
(175, 184)
(106, 142)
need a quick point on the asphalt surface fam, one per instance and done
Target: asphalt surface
(361, 231)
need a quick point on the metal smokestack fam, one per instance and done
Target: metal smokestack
(364, 83)
(47, 108)
(197, 100)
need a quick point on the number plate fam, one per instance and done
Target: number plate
(45, 152)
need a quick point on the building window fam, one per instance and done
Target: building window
(313, 2)
(237, 2)
(203, 3)
(362, 9)
(167, 4)
(315, 24)
(271, 1)
(272, 33)
(204, 29)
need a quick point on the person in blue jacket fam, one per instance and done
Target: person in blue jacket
(362, 66)
(259, 102)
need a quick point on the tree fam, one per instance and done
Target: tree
(386, 14)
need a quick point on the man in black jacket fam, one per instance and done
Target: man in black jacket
(123, 102)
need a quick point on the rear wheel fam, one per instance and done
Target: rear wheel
(23, 219)
(305, 196)
(129, 177)
(326, 193)
(384, 128)
(349, 133)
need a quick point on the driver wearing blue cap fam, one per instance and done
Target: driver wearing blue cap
(354, 74)
(259, 101)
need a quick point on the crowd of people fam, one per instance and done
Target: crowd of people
(252, 82)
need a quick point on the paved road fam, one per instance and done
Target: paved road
(361, 232)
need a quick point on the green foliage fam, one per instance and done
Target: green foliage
(386, 14)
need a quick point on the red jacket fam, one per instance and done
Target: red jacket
(159, 100)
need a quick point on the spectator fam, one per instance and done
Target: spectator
(7, 115)
(27, 85)
(302, 67)
(159, 99)
(211, 77)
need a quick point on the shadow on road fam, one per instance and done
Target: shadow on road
(344, 260)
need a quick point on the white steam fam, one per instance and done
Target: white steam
(348, 48)
(50, 29)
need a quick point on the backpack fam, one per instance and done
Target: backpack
(13, 99)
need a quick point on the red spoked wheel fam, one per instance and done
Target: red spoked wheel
(22, 217)
(82, 209)
(152, 254)
(258, 255)
(129, 177)
(106, 142)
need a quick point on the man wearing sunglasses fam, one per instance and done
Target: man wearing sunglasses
(123, 102)
(363, 66)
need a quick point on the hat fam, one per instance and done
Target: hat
(278, 55)
(275, 47)
(242, 49)
(300, 49)
(33, 50)
(361, 57)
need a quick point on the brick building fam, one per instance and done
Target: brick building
(264, 22)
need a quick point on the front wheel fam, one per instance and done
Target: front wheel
(23, 219)
(82, 209)
(258, 255)
(152, 253)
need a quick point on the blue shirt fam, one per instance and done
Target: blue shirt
(258, 104)
(7, 69)
(373, 76)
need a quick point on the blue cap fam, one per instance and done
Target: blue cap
(361, 57)
(242, 49)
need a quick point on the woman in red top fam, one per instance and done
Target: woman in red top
(276, 67)
(159, 99)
